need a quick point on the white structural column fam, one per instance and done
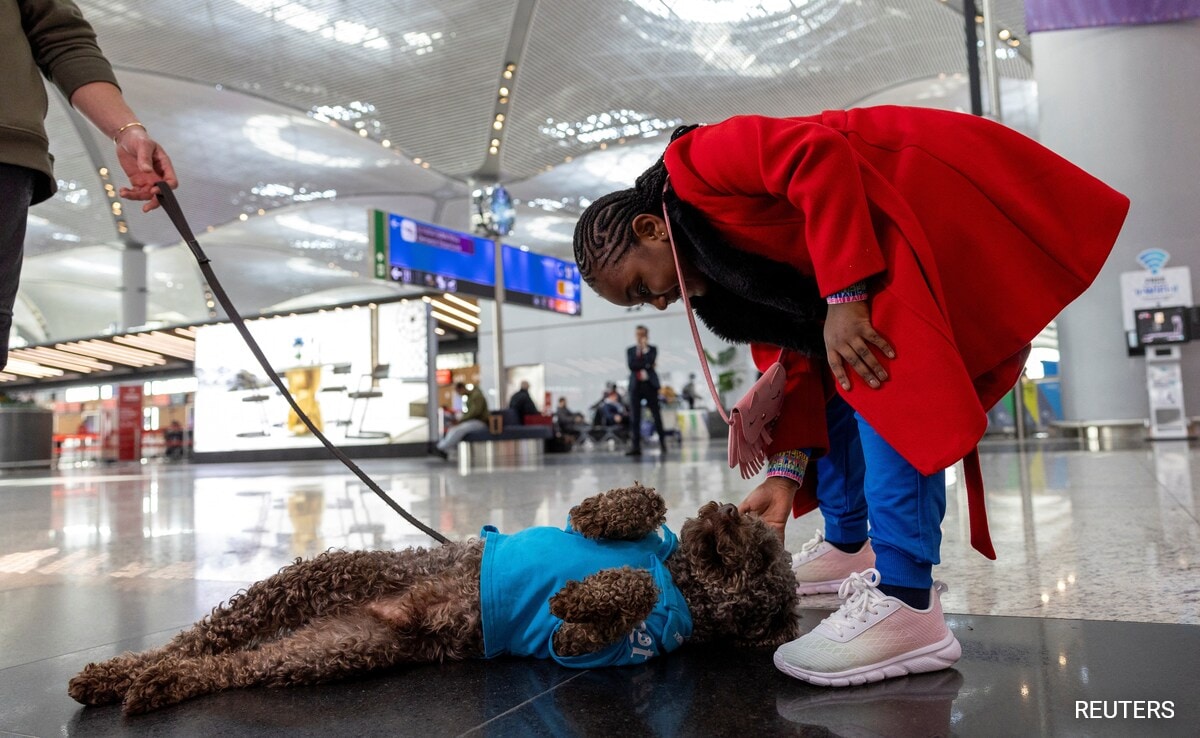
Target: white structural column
(1123, 102)
(133, 286)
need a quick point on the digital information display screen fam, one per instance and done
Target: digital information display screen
(416, 253)
(1161, 325)
(542, 282)
(411, 252)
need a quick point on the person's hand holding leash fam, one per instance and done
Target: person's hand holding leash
(146, 164)
(849, 336)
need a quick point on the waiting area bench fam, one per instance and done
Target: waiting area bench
(514, 443)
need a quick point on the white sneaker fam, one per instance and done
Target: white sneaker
(822, 567)
(871, 637)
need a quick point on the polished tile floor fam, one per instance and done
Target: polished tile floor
(1092, 609)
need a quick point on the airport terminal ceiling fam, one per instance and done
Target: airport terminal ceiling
(288, 119)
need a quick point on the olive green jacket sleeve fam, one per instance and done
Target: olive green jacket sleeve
(39, 38)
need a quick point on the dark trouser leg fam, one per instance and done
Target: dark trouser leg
(656, 413)
(635, 416)
(16, 193)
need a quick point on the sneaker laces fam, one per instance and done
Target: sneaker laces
(860, 595)
(814, 544)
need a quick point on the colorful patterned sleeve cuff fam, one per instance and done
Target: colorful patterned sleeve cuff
(788, 464)
(856, 292)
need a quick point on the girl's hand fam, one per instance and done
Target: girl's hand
(771, 501)
(849, 336)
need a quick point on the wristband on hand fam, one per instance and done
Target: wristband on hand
(789, 464)
(856, 292)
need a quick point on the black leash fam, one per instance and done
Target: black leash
(167, 199)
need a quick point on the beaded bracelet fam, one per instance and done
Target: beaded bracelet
(790, 464)
(127, 125)
(856, 292)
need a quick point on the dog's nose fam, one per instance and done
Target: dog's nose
(729, 509)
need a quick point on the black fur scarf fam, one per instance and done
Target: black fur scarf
(750, 298)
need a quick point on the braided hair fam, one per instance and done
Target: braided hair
(604, 233)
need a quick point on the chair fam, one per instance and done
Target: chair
(258, 398)
(372, 390)
(340, 371)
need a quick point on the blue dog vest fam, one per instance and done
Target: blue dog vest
(522, 571)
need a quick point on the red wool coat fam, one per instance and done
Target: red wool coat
(974, 237)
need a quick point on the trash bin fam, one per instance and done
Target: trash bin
(26, 436)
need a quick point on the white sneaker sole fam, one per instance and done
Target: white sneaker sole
(935, 657)
(813, 588)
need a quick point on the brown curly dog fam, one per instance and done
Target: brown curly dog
(345, 613)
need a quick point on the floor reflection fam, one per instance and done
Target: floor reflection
(98, 560)
(1071, 527)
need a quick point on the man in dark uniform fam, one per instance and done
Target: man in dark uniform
(643, 386)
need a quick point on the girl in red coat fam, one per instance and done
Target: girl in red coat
(902, 259)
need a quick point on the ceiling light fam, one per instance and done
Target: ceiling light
(59, 359)
(461, 325)
(300, 223)
(31, 369)
(161, 342)
(609, 125)
(461, 302)
(456, 312)
(715, 11)
(266, 132)
(503, 92)
(301, 18)
(112, 352)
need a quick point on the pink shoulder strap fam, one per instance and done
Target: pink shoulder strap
(712, 388)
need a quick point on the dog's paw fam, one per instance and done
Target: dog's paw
(627, 513)
(104, 683)
(606, 595)
(160, 685)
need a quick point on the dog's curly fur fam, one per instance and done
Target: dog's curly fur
(344, 613)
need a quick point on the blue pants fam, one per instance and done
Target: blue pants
(865, 487)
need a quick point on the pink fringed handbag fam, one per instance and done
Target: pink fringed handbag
(753, 417)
